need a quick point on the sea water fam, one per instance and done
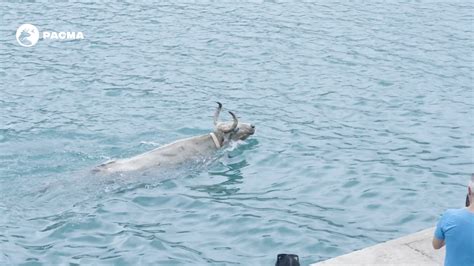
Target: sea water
(363, 114)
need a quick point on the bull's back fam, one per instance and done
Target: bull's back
(174, 153)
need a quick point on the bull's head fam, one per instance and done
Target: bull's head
(228, 131)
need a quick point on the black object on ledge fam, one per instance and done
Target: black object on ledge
(287, 260)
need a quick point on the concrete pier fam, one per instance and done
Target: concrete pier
(414, 249)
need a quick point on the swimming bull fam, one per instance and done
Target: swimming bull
(184, 150)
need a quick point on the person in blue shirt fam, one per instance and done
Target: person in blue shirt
(455, 229)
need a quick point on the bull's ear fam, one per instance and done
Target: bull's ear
(236, 129)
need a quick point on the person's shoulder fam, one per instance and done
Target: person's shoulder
(454, 212)
(450, 211)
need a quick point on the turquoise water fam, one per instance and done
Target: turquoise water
(364, 117)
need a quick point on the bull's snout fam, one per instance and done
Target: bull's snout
(252, 126)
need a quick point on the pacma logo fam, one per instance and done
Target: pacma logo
(62, 35)
(27, 35)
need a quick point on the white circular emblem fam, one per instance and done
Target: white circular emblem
(27, 35)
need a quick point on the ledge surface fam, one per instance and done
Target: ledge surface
(414, 249)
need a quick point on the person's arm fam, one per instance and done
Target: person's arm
(437, 243)
(438, 238)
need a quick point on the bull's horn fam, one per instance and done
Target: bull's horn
(236, 122)
(216, 114)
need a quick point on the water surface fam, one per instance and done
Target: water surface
(364, 116)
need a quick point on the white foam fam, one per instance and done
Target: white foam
(234, 144)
